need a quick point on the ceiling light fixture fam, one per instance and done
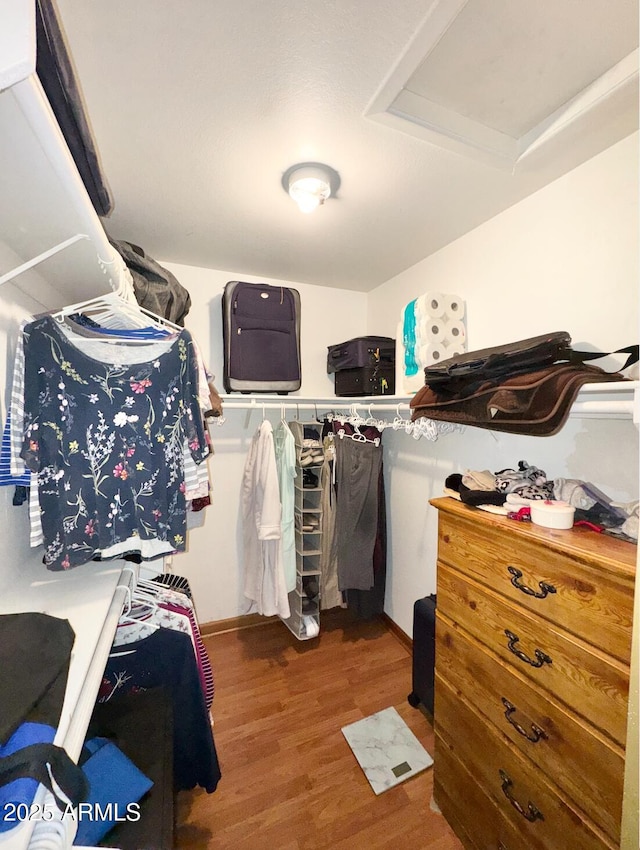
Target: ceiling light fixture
(310, 184)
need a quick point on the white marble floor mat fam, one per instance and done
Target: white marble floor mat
(386, 749)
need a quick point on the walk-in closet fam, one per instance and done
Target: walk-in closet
(212, 581)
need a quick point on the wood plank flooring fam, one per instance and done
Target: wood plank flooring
(289, 778)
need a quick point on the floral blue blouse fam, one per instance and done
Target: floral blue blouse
(108, 443)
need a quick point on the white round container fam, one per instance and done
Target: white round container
(552, 513)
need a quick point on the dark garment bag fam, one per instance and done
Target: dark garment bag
(261, 334)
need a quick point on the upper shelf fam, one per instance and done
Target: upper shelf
(597, 401)
(46, 215)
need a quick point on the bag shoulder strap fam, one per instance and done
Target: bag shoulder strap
(47, 764)
(632, 352)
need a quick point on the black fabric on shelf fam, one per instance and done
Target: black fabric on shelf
(473, 497)
(480, 497)
(141, 726)
(35, 651)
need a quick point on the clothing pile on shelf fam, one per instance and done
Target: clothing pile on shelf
(110, 422)
(345, 464)
(510, 490)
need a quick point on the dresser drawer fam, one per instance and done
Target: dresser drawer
(473, 815)
(572, 578)
(542, 817)
(584, 764)
(594, 686)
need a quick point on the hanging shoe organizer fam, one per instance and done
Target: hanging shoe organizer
(304, 601)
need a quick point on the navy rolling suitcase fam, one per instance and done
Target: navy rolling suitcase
(261, 336)
(424, 653)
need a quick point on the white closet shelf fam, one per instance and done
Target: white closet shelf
(602, 401)
(46, 215)
(91, 598)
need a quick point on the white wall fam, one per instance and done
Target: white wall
(327, 316)
(14, 520)
(565, 258)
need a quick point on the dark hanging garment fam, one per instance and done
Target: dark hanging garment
(367, 604)
(55, 72)
(166, 659)
(360, 527)
(357, 472)
(141, 726)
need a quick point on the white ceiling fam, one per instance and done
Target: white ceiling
(437, 116)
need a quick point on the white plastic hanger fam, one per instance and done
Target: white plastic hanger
(358, 437)
(118, 310)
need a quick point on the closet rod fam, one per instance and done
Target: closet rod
(334, 404)
(40, 257)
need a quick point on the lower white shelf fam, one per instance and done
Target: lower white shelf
(91, 598)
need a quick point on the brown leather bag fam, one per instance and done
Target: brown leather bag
(464, 372)
(536, 403)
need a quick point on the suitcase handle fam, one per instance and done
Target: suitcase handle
(544, 586)
(536, 732)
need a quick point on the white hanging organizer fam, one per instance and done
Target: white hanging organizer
(304, 600)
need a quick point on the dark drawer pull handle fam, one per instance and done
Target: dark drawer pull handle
(531, 813)
(536, 731)
(542, 657)
(544, 586)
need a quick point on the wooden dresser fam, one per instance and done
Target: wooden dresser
(533, 640)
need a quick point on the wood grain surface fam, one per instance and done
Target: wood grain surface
(289, 779)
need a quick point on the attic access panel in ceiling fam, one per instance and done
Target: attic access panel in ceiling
(501, 79)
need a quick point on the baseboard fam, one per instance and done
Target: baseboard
(252, 621)
(397, 632)
(234, 624)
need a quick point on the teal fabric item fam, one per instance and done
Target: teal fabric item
(115, 782)
(409, 339)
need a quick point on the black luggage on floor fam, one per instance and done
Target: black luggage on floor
(424, 653)
(261, 335)
(363, 366)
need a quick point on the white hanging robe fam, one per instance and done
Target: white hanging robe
(264, 581)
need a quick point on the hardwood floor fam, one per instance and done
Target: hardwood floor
(289, 779)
